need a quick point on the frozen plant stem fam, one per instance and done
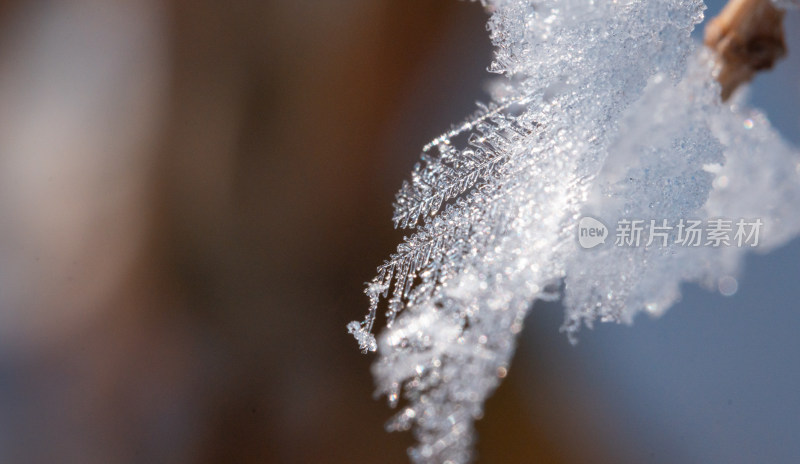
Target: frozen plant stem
(603, 109)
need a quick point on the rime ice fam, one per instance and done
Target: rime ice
(606, 109)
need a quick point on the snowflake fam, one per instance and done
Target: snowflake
(605, 109)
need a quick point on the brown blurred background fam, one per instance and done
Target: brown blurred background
(192, 194)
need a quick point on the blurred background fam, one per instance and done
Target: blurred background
(193, 193)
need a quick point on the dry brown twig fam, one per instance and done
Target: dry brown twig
(747, 37)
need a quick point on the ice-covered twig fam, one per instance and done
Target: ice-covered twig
(617, 121)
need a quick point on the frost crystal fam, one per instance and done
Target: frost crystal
(609, 110)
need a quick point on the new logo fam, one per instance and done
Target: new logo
(591, 232)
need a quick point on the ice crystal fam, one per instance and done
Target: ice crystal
(606, 109)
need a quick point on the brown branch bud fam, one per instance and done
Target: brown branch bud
(747, 37)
